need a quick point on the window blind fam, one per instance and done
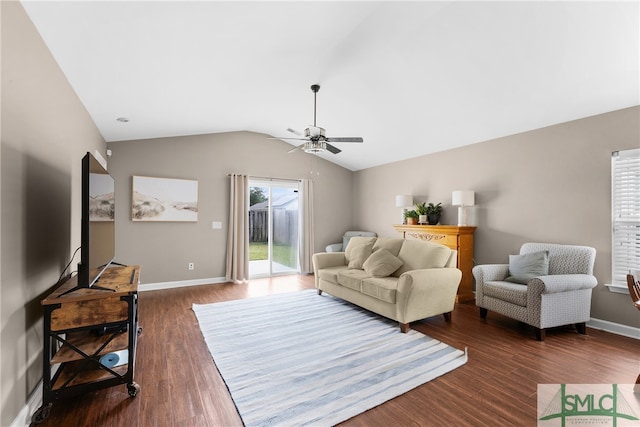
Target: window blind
(625, 214)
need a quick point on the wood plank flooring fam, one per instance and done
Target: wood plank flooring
(180, 385)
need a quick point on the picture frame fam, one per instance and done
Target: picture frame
(164, 199)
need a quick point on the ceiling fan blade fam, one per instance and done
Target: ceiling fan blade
(295, 148)
(286, 137)
(345, 139)
(294, 131)
(334, 150)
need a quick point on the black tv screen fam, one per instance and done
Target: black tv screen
(98, 222)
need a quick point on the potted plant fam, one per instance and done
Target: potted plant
(421, 208)
(433, 213)
(411, 217)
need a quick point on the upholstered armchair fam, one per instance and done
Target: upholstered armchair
(340, 247)
(547, 285)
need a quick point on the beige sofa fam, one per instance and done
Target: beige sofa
(404, 280)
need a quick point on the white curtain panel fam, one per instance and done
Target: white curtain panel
(306, 220)
(238, 237)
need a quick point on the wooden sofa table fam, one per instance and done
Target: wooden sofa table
(83, 326)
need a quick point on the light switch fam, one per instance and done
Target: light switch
(216, 225)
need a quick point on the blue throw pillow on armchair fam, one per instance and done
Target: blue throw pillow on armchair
(523, 268)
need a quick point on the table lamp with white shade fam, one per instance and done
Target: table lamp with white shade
(404, 201)
(462, 199)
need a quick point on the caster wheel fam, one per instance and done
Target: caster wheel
(41, 414)
(133, 389)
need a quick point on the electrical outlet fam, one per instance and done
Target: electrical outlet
(192, 266)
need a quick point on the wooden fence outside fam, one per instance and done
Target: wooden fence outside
(285, 226)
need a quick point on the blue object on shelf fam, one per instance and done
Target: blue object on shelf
(110, 359)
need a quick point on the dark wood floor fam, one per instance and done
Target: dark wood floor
(180, 385)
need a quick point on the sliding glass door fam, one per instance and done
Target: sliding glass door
(273, 227)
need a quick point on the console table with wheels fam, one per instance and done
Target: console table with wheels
(90, 337)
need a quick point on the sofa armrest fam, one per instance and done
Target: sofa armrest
(327, 259)
(429, 291)
(562, 283)
(335, 247)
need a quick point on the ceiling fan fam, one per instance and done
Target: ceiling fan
(315, 139)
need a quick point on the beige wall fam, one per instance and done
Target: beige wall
(45, 132)
(551, 184)
(164, 249)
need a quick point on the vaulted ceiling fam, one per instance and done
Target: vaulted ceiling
(411, 78)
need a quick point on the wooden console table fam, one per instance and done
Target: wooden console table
(455, 237)
(82, 326)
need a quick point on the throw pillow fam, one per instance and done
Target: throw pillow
(381, 263)
(358, 250)
(392, 244)
(523, 268)
(420, 254)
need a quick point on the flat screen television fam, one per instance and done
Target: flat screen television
(98, 229)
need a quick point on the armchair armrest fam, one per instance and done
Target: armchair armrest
(335, 247)
(426, 292)
(563, 283)
(490, 272)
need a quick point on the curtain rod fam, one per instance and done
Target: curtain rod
(271, 179)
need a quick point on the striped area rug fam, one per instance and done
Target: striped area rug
(304, 359)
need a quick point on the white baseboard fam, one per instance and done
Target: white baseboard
(615, 328)
(180, 284)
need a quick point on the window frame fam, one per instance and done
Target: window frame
(625, 216)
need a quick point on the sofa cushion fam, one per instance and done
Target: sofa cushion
(381, 263)
(393, 245)
(351, 278)
(330, 274)
(523, 268)
(382, 288)
(358, 250)
(417, 255)
(506, 291)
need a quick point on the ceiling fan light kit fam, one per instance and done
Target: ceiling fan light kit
(314, 146)
(315, 137)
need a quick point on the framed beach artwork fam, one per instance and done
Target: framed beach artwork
(164, 199)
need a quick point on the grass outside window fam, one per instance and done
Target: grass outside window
(282, 254)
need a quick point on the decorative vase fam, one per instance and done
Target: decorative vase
(433, 218)
(422, 219)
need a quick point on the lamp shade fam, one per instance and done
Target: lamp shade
(403, 201)
(463, 198)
